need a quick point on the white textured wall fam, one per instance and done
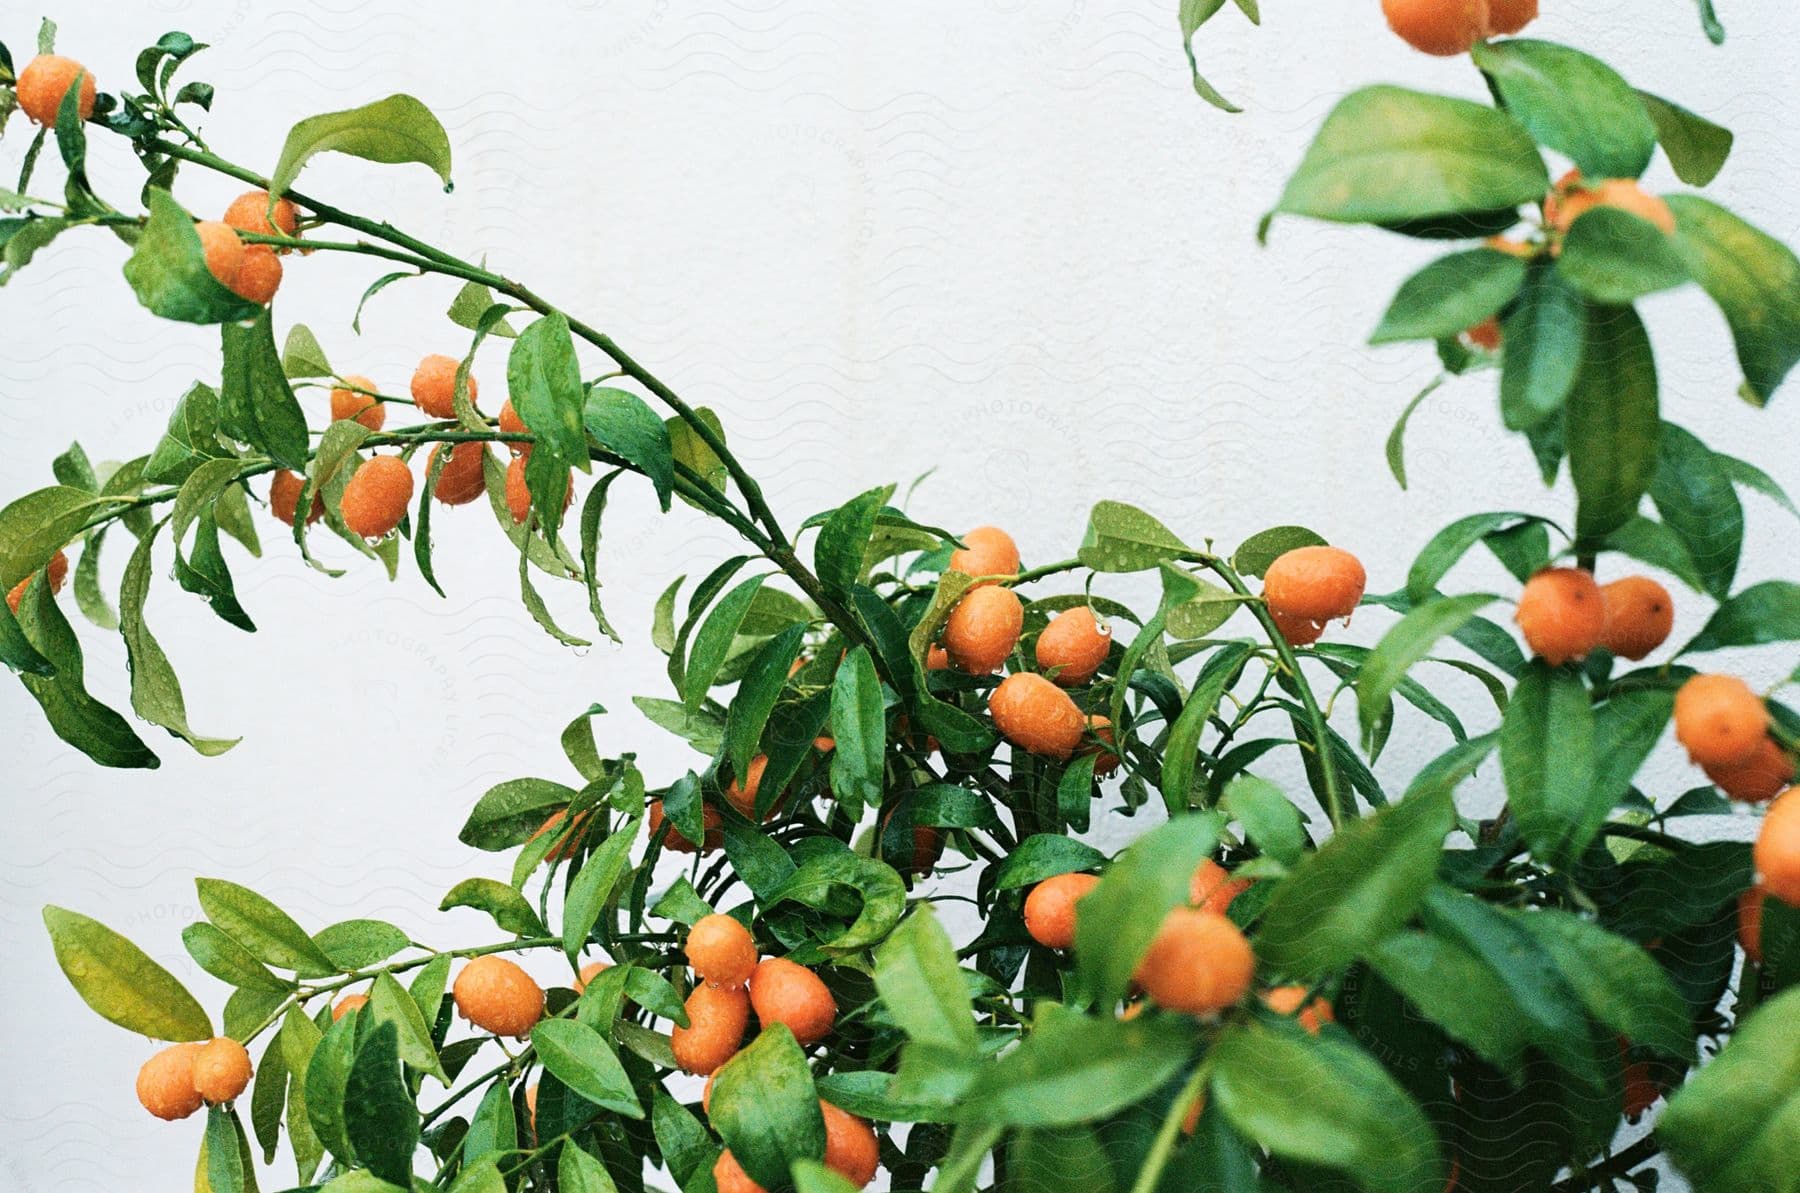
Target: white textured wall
(998, 237)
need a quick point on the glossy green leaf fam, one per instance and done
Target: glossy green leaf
(1406, 643)
(1759, 614)
(1256, 553)
(1045, 855)
(1621, 984)
(594, 885)
(120, 982)
(1450, 295)
(581, 1058)
(1271, 821)
(256, 404)
(844, 539)
(510, 812)
(1613, 424)
(1359, 887)
(766, 1108)
(269, 933)
(389, 1003)
(380, 1120)
(714, 640)
(39, 524)
(859, 726)
(757, 694)
(1386, 155)
(1755, 280)
(1073, 1068)
(1696, 147)
(1183, 743)
(877, 884)
(621, 422)
(1732, 1125)
(301, 355)
(1123, 538)
(227, 960)
(327, 1079)
(390, 131)
(506, 905)
(1613, 257)
(358, 944)
(921, 985)
(578, 1172)
(155, 690)
(1547, 752)
(1572, 103)
(1452, 988)
(1541, 346)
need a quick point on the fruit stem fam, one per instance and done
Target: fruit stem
(1337, 809)
(1162, 1148)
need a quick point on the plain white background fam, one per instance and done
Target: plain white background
(999, 238)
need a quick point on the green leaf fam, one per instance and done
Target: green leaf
(1325, 1102)
(510, 812)
(1572, 103)
(858, 723)
(1410, 640)
(1760, 614)
(922, 987)
(390, 1003)
(269, 1097)
(810, 1176)
(1359, 887)
(580, 1058)
(1042, 856)
(1697, 148)
(120, 982)
(1269, 818)
(1451, 295)
(1120, 917)
(1732, 1125)
(1182, 746)
(1626, 729)
(544, 378)
(578, 1172)
(765, 1107)
(167, 269)
(301, 356)
(1454, 989)
(1541, 343)
(1388, 155)
(703, 728)
(1547, 753)
(1755, 280)
(227, 960)
(261, 927)
(380, 1120)
(692, 451)
(20, 240)
(760, 688)
(507, 906)
(191, 440)
(493, 1127)
(1123, 538)
(41, 523)
(1073, 1068)
(74, 715)
(155, 691)
(256, 405)
(879, 885)
(470, 307)
(1614, 257)
(621, 422)
(390, 131)
(358, 944)
(1256, 553)
(844, 539)
(1613, 424)
(594, 885)
(713, 641)
(1649, 541)
(1193, 14)
(1620, 984)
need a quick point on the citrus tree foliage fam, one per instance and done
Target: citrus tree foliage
(1438, 1001)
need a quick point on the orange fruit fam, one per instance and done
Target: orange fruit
(990, 551)
(1101, 727)
(57, 570)
(434, 385)
(223, 250)
(1212, 887)
(1073, 645)
(1050, 908)
(1299, 631)
(497, 996)
(1513, 248)
(518, 490)
(259, 276)
(512, 424)
(1641, 1088)
(938, 659)
(1562, 614)
(221, 1069)
(1510, 16)
(984, 627)
(1639, 616)
(1763, 775)
(1315, 583)
(348, 1003)
(730, 1177)
(1572, 198)
(1720, 720)
(783, 992)
(1036, 715)
(570, 842)
(1441, 27)
(46, 80)
(1777, 849)
(1486, 334)
(744, 798)
(249, 212)
(376, 497)
(713, 833)
(589, 972)
(716, 1020)
(721, 950)
(927, 842)
(284, 497)
(1749, 922)
(1287, 1000)
(851, 1150)
(165, 1084)
(461, 480)
(1198, 963)
(353, 399)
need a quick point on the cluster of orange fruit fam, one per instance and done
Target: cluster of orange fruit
(733, 980)
(173, 1083)
(1449, 27)
(377, 494)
